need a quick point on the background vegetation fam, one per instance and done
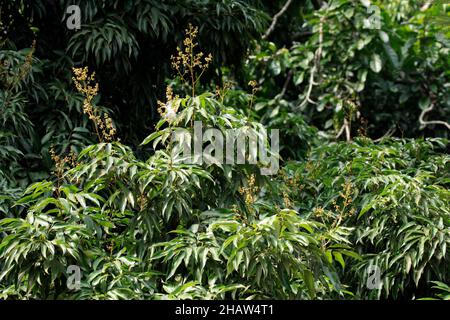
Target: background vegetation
(88, 176)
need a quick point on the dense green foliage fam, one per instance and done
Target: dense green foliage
(90, 177)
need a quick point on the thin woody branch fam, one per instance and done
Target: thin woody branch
(275, 19)
(425, 123)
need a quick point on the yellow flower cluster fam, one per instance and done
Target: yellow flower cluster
(347, 194)
(84, 84)
(352, 106)
(318, 212)
(287, 201)
(60, 163)
(254, 85)
(107, 128)
(26, 67)
(187, 62)
(222, 92)
(24, 70)
(69, 160)
(338, 213)
(169, 109)
(294, 183)
(292, 186)
(250, 191)
(344, 211)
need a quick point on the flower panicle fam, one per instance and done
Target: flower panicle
(190, 65)
(169, 109)
(86, 85)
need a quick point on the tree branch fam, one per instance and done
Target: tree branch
(387, 134)
(426, 123)
(315, 68)
(426, 5)
(275, 19)
(286, 83)
(345, 128)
